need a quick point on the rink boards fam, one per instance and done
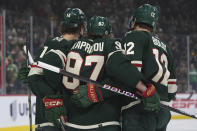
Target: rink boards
(14, 110)
(14, 113)
(184, 102)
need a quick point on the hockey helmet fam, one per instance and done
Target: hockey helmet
(147, 14)
(99, 25)
(73, 18)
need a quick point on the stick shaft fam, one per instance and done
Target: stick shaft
(30, 59)
(85, 79)
(178, 111)
(28, 55)
(62, 125)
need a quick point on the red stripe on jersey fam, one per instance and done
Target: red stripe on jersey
(35, 66)
(172, 82)
(64, 59)
(137, 65)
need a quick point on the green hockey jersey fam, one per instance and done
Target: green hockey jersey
(40, 80)
(83, 59)
(99, 60)
(154, 59)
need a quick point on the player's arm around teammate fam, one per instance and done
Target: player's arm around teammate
(119, 69)
(153, 58)
(48, 85)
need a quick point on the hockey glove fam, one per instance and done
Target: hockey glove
(171, 96)
(23, 74)
(84, 96)
(54, 109)
(150, 99)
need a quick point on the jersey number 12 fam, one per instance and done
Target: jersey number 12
(161, 75)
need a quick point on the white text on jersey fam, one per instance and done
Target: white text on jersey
(159, 43)
(87, 47)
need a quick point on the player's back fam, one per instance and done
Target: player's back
(152, 57)
(55, 50)
(78, 56)
(87, 58)
(55, 43)
(164, 77)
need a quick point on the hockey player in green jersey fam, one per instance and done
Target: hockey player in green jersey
(87, 58)
(96, 60)
(81, 61)
(72, 28)
(153, 58)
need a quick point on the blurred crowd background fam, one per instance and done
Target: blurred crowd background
(177, 27)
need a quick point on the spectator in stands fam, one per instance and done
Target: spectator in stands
(11, 72)
(193, 77)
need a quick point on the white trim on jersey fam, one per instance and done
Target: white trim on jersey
(92, 126)
(172, 86)
(111, 53)
(35, 70)
(131, 104)
(61, 55)
(137, 64)
(81, 126)
(44, 124)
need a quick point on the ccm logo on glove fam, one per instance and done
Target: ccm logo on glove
(49, 103)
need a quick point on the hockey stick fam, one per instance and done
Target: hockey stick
(26, 48)
(84, 79)
(187, 97)
(62, 125)
(30, 59)
(190, 95)
(114, 89)
(178, 111)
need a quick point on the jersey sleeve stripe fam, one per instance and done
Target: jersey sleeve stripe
(64, 59)
(35, 66)
(137, 64)
(172, 88)
(171, 82)
(35, 70)
(61, 55)
(110, 54)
